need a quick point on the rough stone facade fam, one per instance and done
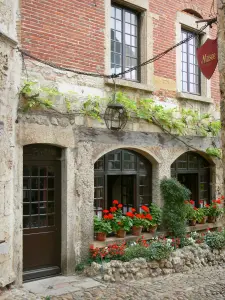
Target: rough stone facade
(46, 34)
(9, 84)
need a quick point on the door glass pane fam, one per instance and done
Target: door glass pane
(39, 196)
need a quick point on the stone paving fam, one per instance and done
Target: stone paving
(207, 283)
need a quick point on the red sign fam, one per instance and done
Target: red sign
(207, 56)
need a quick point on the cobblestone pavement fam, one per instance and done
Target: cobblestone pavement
(202, 284)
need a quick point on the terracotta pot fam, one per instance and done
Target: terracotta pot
(136, 230)
(153, 229)
(203, 221)
(211, 219)
(192, 222)
(101, 236)
(121, 233)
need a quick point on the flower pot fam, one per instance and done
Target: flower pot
(192, 222)
(203, 221)
(211, 219)
(136, 230)
(101, 236)
(121, 233)
(152, 229)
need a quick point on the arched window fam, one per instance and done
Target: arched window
(193, 170)
(125, 176)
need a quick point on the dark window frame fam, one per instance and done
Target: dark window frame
(137, 172)
(203, 168)
(197, 39)
(125, 9)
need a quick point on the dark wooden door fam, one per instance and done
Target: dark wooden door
(41, 212)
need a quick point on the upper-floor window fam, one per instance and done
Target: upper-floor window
(189, 67)
(124, 41)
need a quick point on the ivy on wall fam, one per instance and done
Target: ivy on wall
(175, 121)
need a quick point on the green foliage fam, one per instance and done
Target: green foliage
(101, 225)
(155, 251)
(174, 210)
(215, 240)
(200, 213)
(91, 108)
(156, 213)
(43, 97)
(216, 152)
(178, 121)
(80, 267)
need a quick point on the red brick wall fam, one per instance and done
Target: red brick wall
(66, 32)
(164, 35)
(71, 33)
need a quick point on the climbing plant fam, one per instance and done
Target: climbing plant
(175, 121)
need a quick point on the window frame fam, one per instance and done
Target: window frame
(197, 40)
(125, 9)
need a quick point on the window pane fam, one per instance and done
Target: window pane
(189, 67)
(127, 17)
(118, 25)
(127, 28)
(118, 13)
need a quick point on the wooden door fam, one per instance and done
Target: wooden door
(41, 211)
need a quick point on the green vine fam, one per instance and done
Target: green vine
(174, 121)
(216, 152)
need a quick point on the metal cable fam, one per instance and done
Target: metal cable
(151, 60)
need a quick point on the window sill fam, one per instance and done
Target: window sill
(130, 84)
(188, 96)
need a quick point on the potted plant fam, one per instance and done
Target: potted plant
(190, 212)
(214, 211)
(138, 223)
(102, 227)
(120, 224)
(156, 214)
(201, 215)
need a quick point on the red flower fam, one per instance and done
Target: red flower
(201, 201)
(119, 223)
(120, 205)
(110, 216)
(214, 201)
(192, 202)
(129, 214)
(149, 217)
(222, 197)
(105, 211)
(206, 205)
(208, 229)
(133, 209)
(145, 208)
(115, 202)
(218, 201)
(113, 209)
(195, 208)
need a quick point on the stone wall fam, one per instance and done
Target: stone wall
(181, 260)
(9, 85)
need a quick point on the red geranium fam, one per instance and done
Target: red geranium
(222, 197)
(145, 208)
(148, 216)
(133, 209)
(115, 202)
(120, 205)
(218, 201)
(192, 202)
(201, 201)
(105, 211)
(129, 214)
(113, 209)
(206, 205)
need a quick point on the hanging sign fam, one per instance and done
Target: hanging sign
(207, 56)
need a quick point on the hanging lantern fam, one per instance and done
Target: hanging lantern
(115, 116)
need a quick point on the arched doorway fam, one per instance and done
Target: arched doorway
(123, 175)
(193, 171)
(41, 211)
